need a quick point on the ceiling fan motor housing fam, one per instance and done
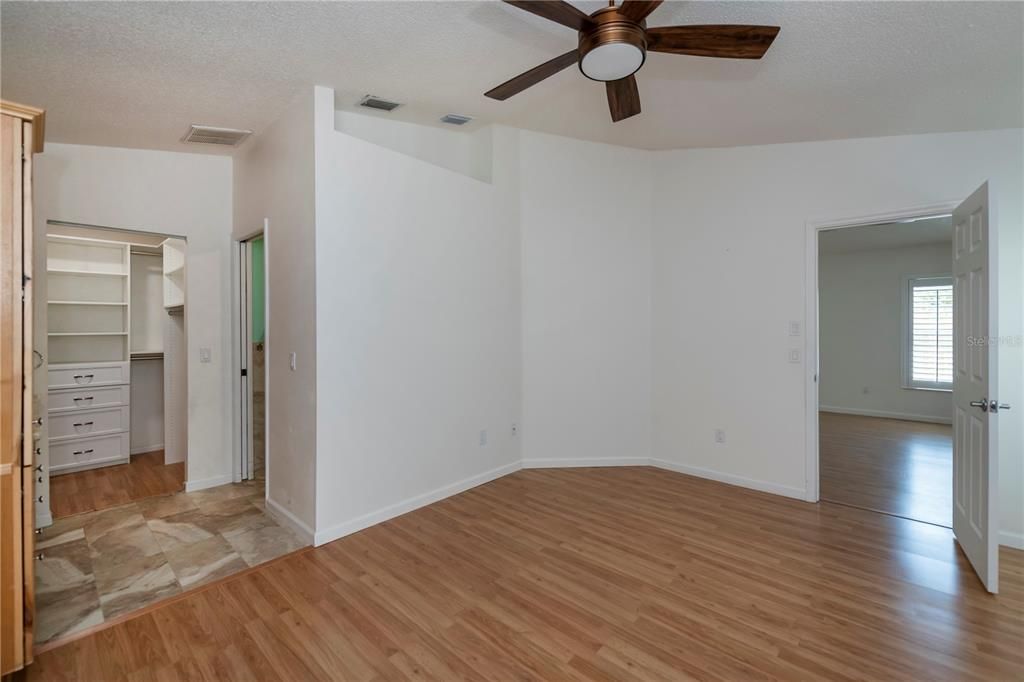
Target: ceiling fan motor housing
(614, 45)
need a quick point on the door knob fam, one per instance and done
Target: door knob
(995, 406)
(983, 404)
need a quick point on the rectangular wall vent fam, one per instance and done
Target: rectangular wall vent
(230, 137)
(456, 119)
(378, 103)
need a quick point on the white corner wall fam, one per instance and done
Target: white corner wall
(585, 213)
(729, 243)
(274, 181)
(170, 193)
(417, 327)
(861, 296)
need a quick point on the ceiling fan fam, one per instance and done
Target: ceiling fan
(613, 44)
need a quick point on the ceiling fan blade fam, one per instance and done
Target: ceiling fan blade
(623, 98)
(722, 40)
(535, 75)
(637, 10)
(558, 11)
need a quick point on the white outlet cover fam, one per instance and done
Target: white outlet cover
(794, 328)
(794, 356)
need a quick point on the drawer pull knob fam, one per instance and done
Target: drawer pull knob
(40, 556)
(82, 452)
(38, 421)
(83, 424)
(88, 378)
(88, 397)
(39, 499)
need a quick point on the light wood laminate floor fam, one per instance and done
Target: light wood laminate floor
(589, 574)
(84, 491)
(889, 465)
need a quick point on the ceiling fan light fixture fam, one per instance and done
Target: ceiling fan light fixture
(612, 61)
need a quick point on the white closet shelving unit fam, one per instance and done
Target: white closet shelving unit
(174, 274)
(89, 281)
(175, 364)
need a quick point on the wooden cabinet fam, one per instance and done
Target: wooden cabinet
(21, 135)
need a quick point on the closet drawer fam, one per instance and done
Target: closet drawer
(86, 451)
(84, 423)
(76, 376)
(74, 399)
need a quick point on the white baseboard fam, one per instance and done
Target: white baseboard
(290, 520)
(731, 479)
(138, 450)
(930, 419)
(391, 511)
(566, 463)
(203, 484)
(1014, 540)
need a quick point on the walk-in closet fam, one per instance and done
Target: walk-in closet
(116, 368)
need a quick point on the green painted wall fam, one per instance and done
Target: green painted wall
(259, 322)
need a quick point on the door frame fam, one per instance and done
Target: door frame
(240, 432)
(815, 226)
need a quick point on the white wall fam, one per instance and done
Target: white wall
(729, 274)
(418, 332)
(465, 151)
(274, 180)
(169, 193)
(861, 297)
(586, 278)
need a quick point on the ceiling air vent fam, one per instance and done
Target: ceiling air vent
(211, 135)
(378, 103)
(456, 119)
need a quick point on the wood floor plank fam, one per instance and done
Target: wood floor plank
(590, 574)
(144, 476)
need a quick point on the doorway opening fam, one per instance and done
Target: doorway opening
(253, 375)
(885, 379)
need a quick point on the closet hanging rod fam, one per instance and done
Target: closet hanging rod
(152, 355)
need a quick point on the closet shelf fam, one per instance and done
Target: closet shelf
(175, 270)
(67, 271)
(114, 303)
(88, 334)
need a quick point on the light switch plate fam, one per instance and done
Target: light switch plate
(205, 355)
(794, 356)
(794, 328)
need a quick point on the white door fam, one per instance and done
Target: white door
(245, 354)
(975, 406)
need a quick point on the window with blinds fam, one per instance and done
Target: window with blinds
(930, 333)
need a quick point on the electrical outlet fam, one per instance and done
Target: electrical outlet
(794, 356)
(483, 437)
(205, 355)
(719, 435)
(794, 328)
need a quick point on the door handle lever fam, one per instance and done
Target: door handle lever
(983, 404)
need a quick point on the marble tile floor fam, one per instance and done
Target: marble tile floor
(102, 564)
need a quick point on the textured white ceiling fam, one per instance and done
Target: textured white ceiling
(888, 236)
(136, 74)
